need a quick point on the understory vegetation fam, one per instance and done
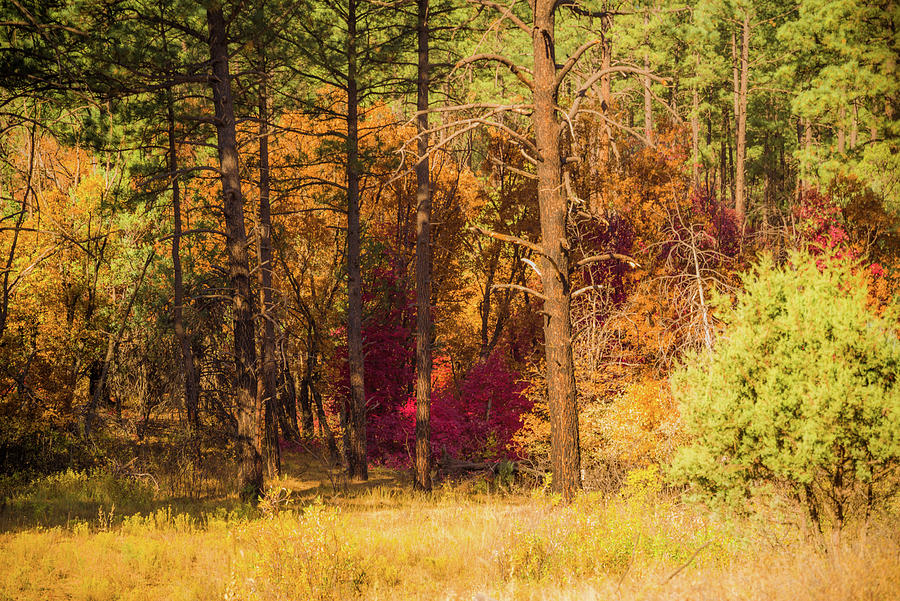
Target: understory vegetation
(449, 299)
(80, 537)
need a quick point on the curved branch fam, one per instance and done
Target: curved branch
(508, 238)
(595, 77)
(581, 291)
(512, 169)
(516, 70)
(533, 265)
(573, 60)
(506, 11)
(524, 289)
(606, 257)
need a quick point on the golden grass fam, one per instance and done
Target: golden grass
(380, 542)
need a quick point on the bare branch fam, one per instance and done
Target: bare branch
(595, 77)
(533, 265)
(581, 291)
(573, 60)
(512, 169)
(606, 257)
(522, 288)
(516, 70)
(506, 11)
(508, 238)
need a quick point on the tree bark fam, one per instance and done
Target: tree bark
(287, 405)
(112, 349)
(357, 466)
(7, 271)
(648, 99)
(695, 132)
(841, 136)
(250, 476)
(565, 457)
(267, 384)
(423, 261)
(182, 340)
(740, 203)
(306, 412)
(605, 87)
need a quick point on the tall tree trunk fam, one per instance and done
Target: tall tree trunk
(423, 263)
(723, 167)
(357, 466)
(7, 271)
(729, 156)
(695, 132)
(112, 349)
(287, 406)
(182, 341)
(740, 204)
(306, 413)
(648, 99)
(309, 383)
(841, 136)
(267, 385)
(605, 86)
(250, 476)
(565, 456)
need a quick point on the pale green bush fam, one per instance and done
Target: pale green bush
(800, 394)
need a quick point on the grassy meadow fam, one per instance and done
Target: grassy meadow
(94, 537)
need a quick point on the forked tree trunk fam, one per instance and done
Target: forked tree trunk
(100, 382)
(357, 466)
(305, 406)
(287, 406)
(182, 341)
(423, 263)
(565, 456)
(250, 476)
(267, 385)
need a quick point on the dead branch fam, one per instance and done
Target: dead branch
(515, 69)
(506, 11)
(507, 238)
(524, 289)
(606, 257)
(573, 60)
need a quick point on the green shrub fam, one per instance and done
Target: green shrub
(59, 498)
(800, 394)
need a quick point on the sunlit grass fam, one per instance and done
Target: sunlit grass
(331, 540)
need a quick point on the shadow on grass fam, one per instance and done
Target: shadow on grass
(307, 476)
(97, 498)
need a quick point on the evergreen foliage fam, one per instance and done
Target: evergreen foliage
(801, 393)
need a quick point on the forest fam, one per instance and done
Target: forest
(449, 299)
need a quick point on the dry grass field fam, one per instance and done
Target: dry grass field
(96, 538)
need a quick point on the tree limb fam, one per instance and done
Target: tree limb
(516, 70)
(506, 11)
(524, 289)
(569, 64)
(606, 257)
(508, 238)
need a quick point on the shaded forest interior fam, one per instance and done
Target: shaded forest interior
(432, 234)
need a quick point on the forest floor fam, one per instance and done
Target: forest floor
(92, 537)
